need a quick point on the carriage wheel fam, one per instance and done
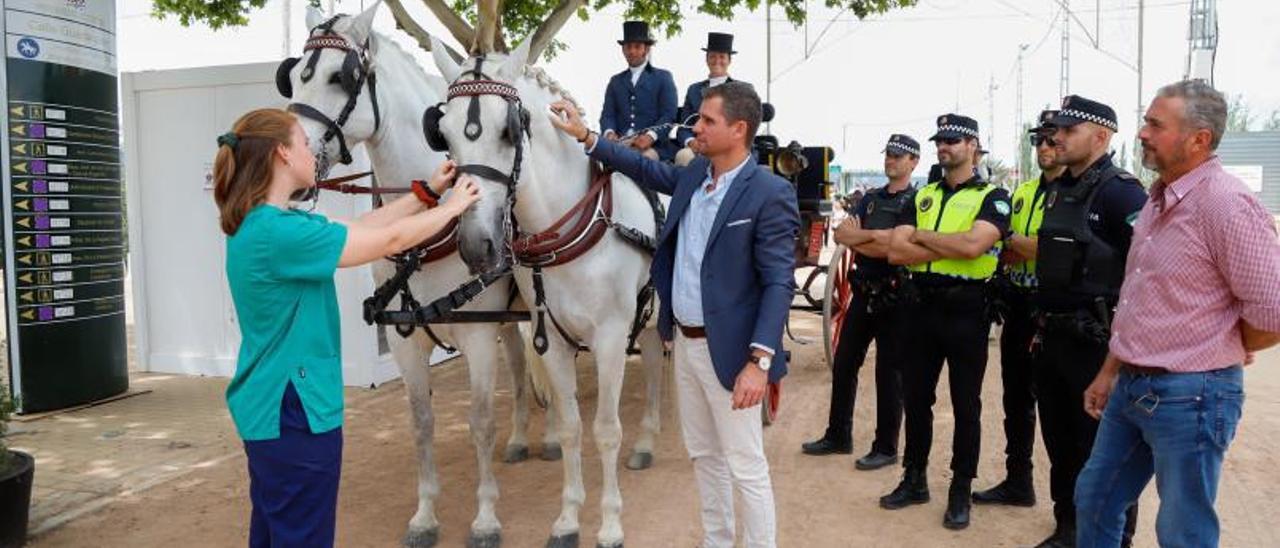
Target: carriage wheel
(836, 300)
(816, 276)
(771, 402)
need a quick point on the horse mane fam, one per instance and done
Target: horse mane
(546, 82)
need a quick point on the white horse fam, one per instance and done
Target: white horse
(593, 298)
(399, 154)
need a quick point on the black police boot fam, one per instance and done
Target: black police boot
(875, 460)
(957, 516)
(1016, 490)
(913, 489)
(829, 445)
(1062, 537)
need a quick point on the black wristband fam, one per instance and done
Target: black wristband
(584, 138)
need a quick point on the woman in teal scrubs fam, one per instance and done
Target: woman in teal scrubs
(286, 396)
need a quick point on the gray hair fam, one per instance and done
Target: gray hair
(740, 102)
(1204, 107)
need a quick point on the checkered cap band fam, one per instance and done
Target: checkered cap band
(472, 88)
(327, 42)
(1089, 117)
(964, 130)
(903, 147)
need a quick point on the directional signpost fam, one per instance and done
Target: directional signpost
(63, 207)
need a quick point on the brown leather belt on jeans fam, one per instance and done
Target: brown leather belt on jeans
(1145, 371)
(692, 332)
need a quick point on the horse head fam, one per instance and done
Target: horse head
(332, 86)
(484, 126)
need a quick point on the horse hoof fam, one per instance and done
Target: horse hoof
(516, 453)
(603, 545)
(487, 540)
(552, 452)
(567, 541)
(422, 539)
(640, 461)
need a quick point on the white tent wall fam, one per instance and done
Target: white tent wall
(184, 318)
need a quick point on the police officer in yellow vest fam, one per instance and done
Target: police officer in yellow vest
(951, 242)
(1017, 281)
(1088, 225)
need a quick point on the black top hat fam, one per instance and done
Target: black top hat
(636, 31)
(1076, 109)
(955, 126)
(1046, 119)
(902, 144)
(719, 42)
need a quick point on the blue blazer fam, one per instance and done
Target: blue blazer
(650, 102)
(692, 104)
(749, 276)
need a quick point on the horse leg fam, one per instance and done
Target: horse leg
(654, 361)
(610, 351)
(477, 343)
(517, 449)
(562, 372)
(411, 356)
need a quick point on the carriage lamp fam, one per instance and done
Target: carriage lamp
(791, 160)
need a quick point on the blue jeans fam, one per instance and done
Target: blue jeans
(1176, 426)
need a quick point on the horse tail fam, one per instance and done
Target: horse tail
(538, 377)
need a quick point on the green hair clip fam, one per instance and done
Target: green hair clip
(229, 139)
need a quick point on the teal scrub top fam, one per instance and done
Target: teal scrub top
(280, 266)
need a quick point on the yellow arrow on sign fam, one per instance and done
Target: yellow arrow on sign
(25, 278)
(17, 111)
(20, 148)
(25, 240)
(25, 259)
(20, 167)
(28, 296)
(24, 222)
(19, 129)
(22, 204)
(28, 314)
(22, 187)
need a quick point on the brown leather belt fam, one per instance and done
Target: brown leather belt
(1143, 371)
(692, 332)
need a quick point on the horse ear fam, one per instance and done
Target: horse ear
(448, 67)
(362, 24)
(314, 17)
(517, 59)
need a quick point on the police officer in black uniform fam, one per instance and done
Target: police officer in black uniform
(874, 313)
(1084, 240)
(1014, 286)
(951, 242)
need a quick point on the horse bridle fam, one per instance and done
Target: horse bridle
(517, 128)
(356, 71)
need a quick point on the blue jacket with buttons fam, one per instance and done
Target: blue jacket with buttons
(748, 278)
(650, 102)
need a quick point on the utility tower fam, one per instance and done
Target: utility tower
(1064, 73)
(1202, 40)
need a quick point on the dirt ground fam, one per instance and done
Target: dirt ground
(821, 502)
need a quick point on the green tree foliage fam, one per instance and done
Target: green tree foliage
(520, 18)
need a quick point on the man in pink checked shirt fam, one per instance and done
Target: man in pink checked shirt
(1201, 294)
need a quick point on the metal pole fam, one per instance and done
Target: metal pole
(768, 59)
(1064, 76)
(288, 15)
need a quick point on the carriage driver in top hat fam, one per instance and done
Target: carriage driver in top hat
(719, 56)
(640, 98)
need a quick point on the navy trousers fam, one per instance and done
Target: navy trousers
(293, 482)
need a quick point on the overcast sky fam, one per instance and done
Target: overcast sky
(862, 80)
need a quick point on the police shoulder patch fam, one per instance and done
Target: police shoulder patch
(1002, 207)
(1017, 205)
(926, 203)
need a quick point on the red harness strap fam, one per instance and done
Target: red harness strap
(437, 247)
(552, 247)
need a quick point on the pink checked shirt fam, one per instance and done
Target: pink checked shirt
(1204, 256)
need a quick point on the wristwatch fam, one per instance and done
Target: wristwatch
(763, 362)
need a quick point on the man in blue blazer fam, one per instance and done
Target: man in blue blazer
(719, 56)
(640, 97)
(724, 269)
